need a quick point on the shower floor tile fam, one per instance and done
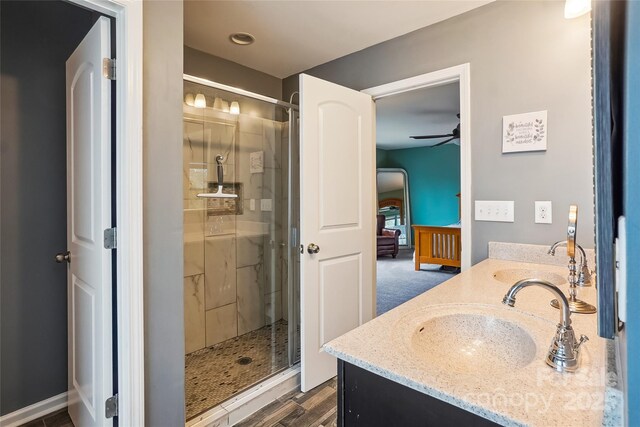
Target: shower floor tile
(214, 374)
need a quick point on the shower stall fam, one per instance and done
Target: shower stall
(241, 262)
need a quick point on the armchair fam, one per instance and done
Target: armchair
(387, 239)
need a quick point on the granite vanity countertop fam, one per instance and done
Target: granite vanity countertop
(534, 395)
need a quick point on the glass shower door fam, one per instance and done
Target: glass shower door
(241, 269)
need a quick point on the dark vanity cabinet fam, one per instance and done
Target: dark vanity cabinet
(369, 400)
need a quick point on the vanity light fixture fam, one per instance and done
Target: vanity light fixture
(235, 108)
(242, 39)
(575, 8)
(189, 100)
(217, 104)
(200, 101)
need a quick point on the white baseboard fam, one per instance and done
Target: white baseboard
(247, 403)
(35, 411)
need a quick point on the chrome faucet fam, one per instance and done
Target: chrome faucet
(584, 276)
(564, 351)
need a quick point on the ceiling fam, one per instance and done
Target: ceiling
(430, 111)
(390, 181)
(293, 36)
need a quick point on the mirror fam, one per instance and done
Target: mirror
(393, 201)
(608, 28)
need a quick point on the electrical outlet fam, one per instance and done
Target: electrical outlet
(543, 212)
(252, 204)
(496, 211)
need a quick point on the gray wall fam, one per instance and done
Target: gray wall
(163, 263)
(524, 57)
(201, 64)
(36, 40)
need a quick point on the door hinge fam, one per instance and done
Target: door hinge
(111, 407)
(110, 238)
(109, 68)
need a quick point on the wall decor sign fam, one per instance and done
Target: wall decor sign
(256, 162)
(524, 132)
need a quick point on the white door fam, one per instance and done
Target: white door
(88, 215)
(337, 173)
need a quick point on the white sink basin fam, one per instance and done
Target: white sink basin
(512, 275)
(473, 338)
(472, 342)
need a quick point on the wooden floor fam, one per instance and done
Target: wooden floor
(316, 408)
(57, 419)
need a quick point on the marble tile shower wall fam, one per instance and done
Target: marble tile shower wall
(233, 263)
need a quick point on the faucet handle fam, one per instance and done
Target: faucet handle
(583, 339)
(584, 277)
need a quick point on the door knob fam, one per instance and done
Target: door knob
(63, 256)
(313, 248)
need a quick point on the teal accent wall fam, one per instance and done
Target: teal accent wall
(381, 157)
(434, 181)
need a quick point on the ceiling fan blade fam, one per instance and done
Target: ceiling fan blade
(431, 136)
(455, 133)
(443, 142)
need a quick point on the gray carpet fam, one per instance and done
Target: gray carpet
(398, 282)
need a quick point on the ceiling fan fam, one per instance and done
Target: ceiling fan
(455, 134)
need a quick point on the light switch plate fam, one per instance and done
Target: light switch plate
(266, 205)
(621, 268)
(252, 204)
(543, 212)
(494, 210)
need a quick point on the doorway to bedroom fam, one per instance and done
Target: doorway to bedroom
(418, 239)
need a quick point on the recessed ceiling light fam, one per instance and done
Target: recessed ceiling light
(242, 39)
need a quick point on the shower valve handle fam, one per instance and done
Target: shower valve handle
(313, 248)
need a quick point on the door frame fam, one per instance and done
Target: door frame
(128, 170)
(462, 75)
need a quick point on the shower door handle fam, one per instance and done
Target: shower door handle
(313, 248)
